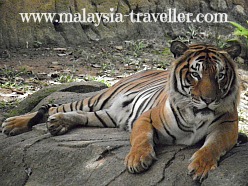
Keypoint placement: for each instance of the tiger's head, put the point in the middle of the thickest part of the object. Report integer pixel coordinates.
(205, 76)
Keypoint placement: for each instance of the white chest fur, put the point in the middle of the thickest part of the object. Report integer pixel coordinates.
(186, 126)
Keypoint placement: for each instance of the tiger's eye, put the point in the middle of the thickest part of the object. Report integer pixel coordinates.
(221, 76)
(195, 75)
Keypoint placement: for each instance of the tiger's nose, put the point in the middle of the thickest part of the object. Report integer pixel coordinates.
(207, 100)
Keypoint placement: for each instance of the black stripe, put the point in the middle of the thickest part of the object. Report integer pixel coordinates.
(179, 124)
(126, 103)
(98, 99)
(175, 86)
(153, 97)
(138, 112)
(140, 85)
(201, 125)
(187, 59)
(134, 104)
(57, 109)
(157, 96)
(156, 136)
(160, 81)
(63, 108)
(76, 105)
(71, 107)
(166, 130)
(155, 132)
(182, 118)
(81, 105)
(117, 90)
(38, 118)
(126, 84)
(90, 107)
(233, 78)
(140, 77)
(113, 121)
(228, 121)
(216, 119)
(101, 120)
(110, 96)
(130, 93)
(45, 107)
(155, 73)
(181, 74)
(187, 79)
(87, 122)
(232, 82)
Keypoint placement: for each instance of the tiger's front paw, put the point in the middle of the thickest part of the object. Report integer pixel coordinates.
(57, 124)
(202, 162)
(16, 125)
(140, 159)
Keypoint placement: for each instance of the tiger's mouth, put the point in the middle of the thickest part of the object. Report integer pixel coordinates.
(204, 111)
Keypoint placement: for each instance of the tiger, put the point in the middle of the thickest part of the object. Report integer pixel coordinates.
(196, 99)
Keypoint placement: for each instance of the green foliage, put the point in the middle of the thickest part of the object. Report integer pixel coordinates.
(11, 76)
(11, 73)
(67, 78)
(7, 105)
(37, 44)
(137, 47)
(98, 79)
(240, 30)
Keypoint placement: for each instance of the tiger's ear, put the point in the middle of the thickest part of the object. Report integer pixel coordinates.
(178, 48)
(234, 49)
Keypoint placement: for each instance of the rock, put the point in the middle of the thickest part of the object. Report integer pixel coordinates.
(55, 62)
(61, 55)
(59, 49)
(93, 156)
(15, 33)
(239, 10)
(63, 97)
(219, 5)
(96, 66)
(5, 54)
(33, 100)
(119, 47)
(42, 76)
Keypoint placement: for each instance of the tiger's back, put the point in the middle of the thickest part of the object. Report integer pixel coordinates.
(127, 99)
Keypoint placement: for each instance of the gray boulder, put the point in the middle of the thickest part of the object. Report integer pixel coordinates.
(94, 156)
(62, 93)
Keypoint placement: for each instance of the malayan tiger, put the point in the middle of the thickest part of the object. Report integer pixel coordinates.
(197, 98)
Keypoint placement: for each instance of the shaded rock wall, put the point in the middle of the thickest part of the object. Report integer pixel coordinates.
(15, 33)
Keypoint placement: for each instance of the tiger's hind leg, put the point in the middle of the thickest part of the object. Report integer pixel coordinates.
(61, 123)
(24, 123)
(17, 125)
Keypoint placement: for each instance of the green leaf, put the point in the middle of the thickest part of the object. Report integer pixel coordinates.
(240, 30)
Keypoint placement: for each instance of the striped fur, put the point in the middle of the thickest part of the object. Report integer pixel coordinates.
(197, 98)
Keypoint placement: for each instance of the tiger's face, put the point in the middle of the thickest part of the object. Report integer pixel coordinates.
(205, 75)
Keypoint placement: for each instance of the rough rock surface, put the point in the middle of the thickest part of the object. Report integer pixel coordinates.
(93, 156)
(15, 33)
